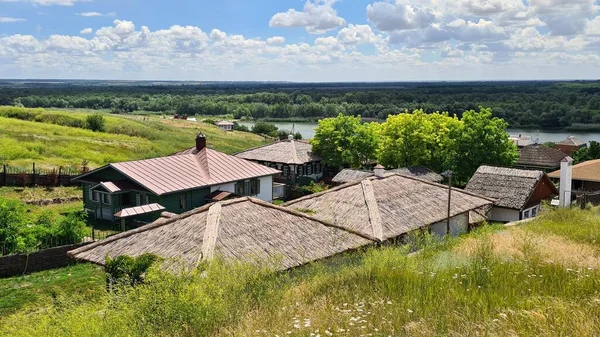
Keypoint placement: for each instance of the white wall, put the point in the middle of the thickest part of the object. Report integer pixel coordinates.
(503, 215)
(266, 188)
(459, 224)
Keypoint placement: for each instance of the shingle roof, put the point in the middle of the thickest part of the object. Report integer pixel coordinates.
(240, 229)
(520, 140)
(387, 207)
(285, 151)
(586, 171)
(572, 141)
(510, 187)
(537, 155)
(348, 175)
(224, 123)
(188, 171)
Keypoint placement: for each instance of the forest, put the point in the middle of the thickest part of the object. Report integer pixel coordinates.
(537, 104)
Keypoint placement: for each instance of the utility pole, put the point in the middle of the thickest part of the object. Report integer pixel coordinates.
(449, 175)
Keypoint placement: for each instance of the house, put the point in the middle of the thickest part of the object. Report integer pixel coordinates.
(174, 184)
(243, 229)
(586, 176)
(518, 193)
(539, 157)
(571, 145)
(389, 207)
(520, 140)
(349, 175)
(225, 125)
(294, 158)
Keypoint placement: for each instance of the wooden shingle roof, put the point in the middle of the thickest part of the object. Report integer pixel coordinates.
(348, 175)
(241, 229)
(510, 187)
(387, 207)
(572, 141)
(285, 151)
(542, 156)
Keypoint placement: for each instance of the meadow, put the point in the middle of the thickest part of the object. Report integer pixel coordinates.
(541, 278)
(54, 138)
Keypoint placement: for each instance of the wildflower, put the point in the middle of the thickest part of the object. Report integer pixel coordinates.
(389, 302)
(328, 333)
(409, 311)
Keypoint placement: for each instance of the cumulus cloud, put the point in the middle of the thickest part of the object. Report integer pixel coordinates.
(395, 17)
(86, 31)
(216, 34)
(275, 40)
(357, 34)
(6, 19)
(564, 17)
(49, 2)
(317, 17)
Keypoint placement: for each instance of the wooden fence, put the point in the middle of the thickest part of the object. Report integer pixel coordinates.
(33, 176)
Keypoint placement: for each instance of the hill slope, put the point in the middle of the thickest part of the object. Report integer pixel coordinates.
(55, 138)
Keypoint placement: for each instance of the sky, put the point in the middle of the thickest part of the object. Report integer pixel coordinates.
(303, 41)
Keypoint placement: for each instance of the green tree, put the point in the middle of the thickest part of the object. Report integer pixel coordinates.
(481, 140)
(95, 122)
(587, 153)
(12, 220)
(343, 141)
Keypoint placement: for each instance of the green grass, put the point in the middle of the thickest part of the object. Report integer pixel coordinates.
(40, 193)
(39, 290)
(126, 138)
(539, 279)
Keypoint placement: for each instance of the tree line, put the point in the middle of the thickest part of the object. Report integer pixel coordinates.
(521, 104)
(438, 141)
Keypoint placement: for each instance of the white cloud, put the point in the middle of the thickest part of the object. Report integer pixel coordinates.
(357, 34)
(86, 31)
(6, 19)
(275, 40)
(317, 17)
(564, 17)
(593, 26)
(395, 17)
(92, 14)
(216, 34)
(49, 2)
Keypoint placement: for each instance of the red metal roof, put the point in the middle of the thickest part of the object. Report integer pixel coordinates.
(188, 171)
(139, 210)
(219, 195)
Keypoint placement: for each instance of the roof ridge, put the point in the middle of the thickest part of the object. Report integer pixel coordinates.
(311, 196)
(306, 216)
(211, 232)
(373, 208)
(295, 158)
(150, 226)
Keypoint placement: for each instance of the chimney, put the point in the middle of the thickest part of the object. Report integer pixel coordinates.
(200, 142)
(379, 171)
(290, 137)
(566, 178)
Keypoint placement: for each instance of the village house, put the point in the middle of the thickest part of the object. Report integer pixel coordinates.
(539, 157)
(585, 176)
(294, 158)
(225, 125)
(141, 189)
(518, 193)
(349, 175)
(243, 229)
(389, 207)
(521, 140)
(571, 145)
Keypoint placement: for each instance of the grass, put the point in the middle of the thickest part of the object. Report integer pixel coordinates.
(40, 193)
(127, 137)
(40, 290)
(539, 279)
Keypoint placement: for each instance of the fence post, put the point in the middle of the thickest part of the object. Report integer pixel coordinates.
(33, 176)
(4, 175)
(59, 174)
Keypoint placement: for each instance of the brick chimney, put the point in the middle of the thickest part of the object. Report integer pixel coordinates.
(200, 142)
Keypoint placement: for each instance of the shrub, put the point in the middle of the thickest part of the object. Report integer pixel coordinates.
(70, 229)
(297, 135)
(127, 270)
(264, 128)
(95, 122)
(239, 127)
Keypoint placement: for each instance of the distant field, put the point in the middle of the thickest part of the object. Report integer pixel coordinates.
(28, 135)
(538, 279)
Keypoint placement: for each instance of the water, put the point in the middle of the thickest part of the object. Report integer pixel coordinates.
(308, 131)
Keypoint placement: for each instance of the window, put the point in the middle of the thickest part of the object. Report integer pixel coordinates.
(182, 202)
(248, 187)
(534, 212)
(146, 199)
(317, 167)
(309, 169)
(299, 170)
(138, 199)
(526, 216)
(105, 198)
(95, 196)
(286, 171)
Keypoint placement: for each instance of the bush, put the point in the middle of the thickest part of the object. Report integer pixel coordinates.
(264, 128)
(297, 135)
(127, 270)
(239, 127)
(70, 229)
(95, 122)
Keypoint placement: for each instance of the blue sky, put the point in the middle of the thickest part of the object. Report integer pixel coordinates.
(313, 40)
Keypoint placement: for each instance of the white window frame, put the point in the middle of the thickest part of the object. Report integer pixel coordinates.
(103, 196)
(309, 169)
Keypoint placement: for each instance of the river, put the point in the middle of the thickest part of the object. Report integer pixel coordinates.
(308, 131)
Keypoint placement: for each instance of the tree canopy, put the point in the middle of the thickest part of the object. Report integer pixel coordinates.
(438, 141)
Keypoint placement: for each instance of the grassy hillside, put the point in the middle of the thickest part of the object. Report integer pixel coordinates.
(539, 279)
(54, 137)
